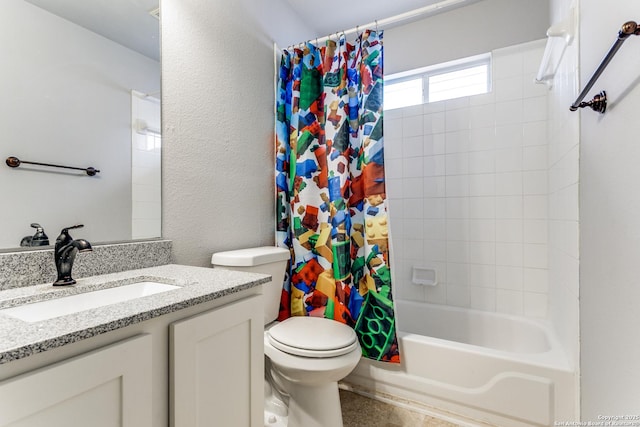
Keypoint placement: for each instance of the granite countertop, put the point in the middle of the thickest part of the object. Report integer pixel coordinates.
(19, 339)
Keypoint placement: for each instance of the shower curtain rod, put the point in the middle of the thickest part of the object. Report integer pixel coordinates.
(426, 10)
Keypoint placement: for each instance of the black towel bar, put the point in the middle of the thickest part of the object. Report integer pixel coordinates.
(14, 162)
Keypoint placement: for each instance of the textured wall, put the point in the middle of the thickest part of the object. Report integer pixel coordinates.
(217, 114)
(609, 217)
(477, 28)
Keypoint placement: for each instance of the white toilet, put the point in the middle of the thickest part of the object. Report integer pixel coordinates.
(305, 356)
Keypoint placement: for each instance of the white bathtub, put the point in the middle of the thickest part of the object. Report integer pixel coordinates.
(498, 369)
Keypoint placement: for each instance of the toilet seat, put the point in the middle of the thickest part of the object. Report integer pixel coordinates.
(312, 337)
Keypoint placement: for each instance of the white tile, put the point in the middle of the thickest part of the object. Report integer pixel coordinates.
(535, 231)
(392, 115)
(481, 116)
(413, 208)
(509, 277)
(536, 280)
(457, 251)
(413, 146)
(434, 208)
(482, 275)
(392, 148)
(435, 250)
(457, 141)
(535, 133)
(509, 112)
(434, 186)
(413, 187)
(482, 207)
(509, 302)
(509, 254)
(433, 107)
(535, 207)
(412, 228)
(412, 167)
(482, 139)
(535, 109)
(508, 184)
(482, 162)
(536, 305)
(458, 296)
(508, 159)
(412, 110)
(457, 207)
(433, 144)
(482, 253)
(412, 126)
(507, 64)
(508, 89)
(532, 56)
(509, 136)
(535, 255)
(456, 120)
(509, 207)
(457, 273)
(436, 294)
(509, 230)
(457, 186)
(482, 298)
(457, 103)
(482, 184)
(392, 128)
(534, 182)
(482, 99)
(482, 230)
(531, 89)
(457, 229)
(435, 229)
(457, 164)
(414, 247)
(394, 188)
(433, 123)
(393, 168)
(434, 165)
(535, 158)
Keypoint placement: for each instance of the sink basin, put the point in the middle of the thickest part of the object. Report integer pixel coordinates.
(49, 309)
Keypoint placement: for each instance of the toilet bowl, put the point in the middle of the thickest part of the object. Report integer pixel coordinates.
(305, 356)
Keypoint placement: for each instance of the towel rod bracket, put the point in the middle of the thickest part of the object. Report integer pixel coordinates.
(598, 103)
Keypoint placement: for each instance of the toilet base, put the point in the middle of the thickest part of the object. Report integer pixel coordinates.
(314, 406)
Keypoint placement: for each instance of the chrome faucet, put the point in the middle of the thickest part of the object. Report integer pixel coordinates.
(65, 253)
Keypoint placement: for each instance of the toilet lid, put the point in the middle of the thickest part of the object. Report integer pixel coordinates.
(312, 337)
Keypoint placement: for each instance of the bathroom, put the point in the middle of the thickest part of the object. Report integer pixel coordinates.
(220, 53)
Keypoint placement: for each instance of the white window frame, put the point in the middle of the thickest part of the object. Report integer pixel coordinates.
(425, 73)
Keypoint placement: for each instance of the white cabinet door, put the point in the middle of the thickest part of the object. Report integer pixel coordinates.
(108, 387)
(217, 364)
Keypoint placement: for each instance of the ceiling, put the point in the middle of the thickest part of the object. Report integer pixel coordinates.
(129, 23)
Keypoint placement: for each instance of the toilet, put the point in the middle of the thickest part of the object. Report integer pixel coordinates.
(305, 357)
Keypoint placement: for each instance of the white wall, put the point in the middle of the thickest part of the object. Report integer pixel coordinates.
(218, 121)
(477, 28)
(66, 100)
(467, 183)
(610, 217)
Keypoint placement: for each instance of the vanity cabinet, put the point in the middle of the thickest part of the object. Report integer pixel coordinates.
(202, 365)
(113, 390)
(217, 366)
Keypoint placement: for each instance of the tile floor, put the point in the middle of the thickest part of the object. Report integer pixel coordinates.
(361, 411)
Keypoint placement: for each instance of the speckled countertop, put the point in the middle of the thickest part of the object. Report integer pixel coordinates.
(20, 339)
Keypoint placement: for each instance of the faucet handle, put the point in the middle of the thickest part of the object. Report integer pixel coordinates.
(35, 225)
(72, 227)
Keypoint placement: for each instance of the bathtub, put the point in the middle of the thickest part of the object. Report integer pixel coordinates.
(495, 369)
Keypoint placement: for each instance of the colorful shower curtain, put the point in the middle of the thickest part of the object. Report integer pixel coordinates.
(331, 201)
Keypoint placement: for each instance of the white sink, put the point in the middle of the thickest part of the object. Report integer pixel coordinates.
(49, 309)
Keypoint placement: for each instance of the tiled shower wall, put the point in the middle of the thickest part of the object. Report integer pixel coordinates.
(467, 182)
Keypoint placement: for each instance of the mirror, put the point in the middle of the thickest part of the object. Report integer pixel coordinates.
(80, 87)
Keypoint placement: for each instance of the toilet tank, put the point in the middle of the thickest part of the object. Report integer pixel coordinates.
(269, 260)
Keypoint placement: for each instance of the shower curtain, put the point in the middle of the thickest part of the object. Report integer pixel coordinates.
(331, 201)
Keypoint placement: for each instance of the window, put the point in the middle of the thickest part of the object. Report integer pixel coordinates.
(465, 77)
